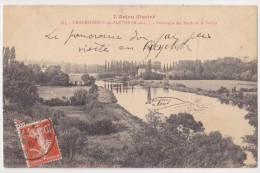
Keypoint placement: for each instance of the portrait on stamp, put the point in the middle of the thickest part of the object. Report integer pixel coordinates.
(39, 142)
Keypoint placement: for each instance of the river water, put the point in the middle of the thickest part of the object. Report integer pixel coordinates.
(215, 116)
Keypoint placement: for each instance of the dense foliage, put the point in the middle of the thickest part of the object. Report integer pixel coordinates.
(88, 80)
(80, 97)
(227, 68)
(18, 84)
(179, 141)
(51, 75)
(176, 141)
(252, 118)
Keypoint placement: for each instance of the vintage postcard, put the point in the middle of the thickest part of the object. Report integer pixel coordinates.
(130, 86)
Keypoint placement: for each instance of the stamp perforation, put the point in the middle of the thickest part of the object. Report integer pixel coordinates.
(18, 127)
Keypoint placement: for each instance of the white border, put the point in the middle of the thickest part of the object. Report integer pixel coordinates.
(119, 2)
(130, 2)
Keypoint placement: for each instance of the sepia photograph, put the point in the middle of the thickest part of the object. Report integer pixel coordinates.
(130, 86)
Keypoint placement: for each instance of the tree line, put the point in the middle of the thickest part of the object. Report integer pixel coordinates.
(82, 68)
(227, 68)
(51, 75)
(179, 141)
(20, 81)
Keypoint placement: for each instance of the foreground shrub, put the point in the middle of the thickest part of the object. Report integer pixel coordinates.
(175, 142)
(102, 127)
(79, 97)
(13, 153)
(180, 85)
(71, 140)
(56, 102)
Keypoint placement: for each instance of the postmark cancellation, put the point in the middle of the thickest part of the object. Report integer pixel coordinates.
(39, 142)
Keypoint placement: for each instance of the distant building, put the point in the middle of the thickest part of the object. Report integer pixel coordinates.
(142, 70)
(44, 68)
(75, 78)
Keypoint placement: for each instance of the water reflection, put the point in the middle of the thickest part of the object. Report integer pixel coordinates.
(124, 87)
(226, 118)
(149, 94)
(222, 115)
(119, 87)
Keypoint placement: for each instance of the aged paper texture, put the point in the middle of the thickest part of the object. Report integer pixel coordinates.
(130, 86)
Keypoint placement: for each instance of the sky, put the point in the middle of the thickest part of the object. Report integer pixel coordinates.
(202, 32)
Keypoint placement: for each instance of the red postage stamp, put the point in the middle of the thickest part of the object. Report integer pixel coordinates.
(39, 142)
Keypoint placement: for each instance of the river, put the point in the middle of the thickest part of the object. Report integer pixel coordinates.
(215, 116)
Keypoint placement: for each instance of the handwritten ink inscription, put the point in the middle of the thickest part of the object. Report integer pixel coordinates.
(159, 103)
(152, 47)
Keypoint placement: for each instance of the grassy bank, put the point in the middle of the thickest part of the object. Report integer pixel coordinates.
(101, 133)
(210, 84)
(87, 138)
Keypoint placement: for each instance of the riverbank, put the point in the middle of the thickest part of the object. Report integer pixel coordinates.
(104, 134)
(100, 135)
(244, 98)
(115, 135)
(225, 95)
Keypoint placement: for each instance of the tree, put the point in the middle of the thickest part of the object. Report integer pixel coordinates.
(226, 68)
(156, 65)
(111, 66)
(149, 66)
(6, 55)
(222, 90)
(19, 86)
(189, 75)
(80, 96)
(251, 140)
(254, 78)
(186, 121)
(61, 79)
(247, 75)
(92, 94)
(55, 77)
(252, 117)
(105, 65)
(179, 141)
(13, 56)
(38, 76)
(214, 150)
(71, 141)
(51, 71)
(88, 80)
